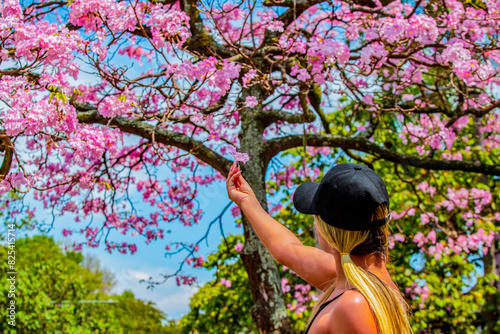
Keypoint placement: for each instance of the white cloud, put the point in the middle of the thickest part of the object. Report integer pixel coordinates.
(168, 297)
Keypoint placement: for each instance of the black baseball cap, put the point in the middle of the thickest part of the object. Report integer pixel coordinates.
(345, 198)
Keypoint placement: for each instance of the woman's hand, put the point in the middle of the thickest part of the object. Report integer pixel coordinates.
(238, 190)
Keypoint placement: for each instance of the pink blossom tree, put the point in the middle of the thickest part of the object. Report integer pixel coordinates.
(412, 89)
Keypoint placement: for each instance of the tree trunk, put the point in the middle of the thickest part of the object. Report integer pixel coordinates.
(268, 312)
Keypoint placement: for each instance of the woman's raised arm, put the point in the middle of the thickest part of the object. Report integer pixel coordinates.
(312, 264)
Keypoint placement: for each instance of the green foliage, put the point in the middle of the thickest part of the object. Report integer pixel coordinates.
(50, 287)
(215, 308)
(141, 317)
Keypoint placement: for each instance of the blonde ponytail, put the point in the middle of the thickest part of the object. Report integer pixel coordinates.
(386, 303)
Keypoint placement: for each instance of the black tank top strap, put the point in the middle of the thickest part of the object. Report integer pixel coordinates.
(325, 304)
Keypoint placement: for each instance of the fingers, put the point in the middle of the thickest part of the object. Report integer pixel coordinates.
(239, 180)
(234, 177)
(233, 180)
(231, 172)
(234, 168)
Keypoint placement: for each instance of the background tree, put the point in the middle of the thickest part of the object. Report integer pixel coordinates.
(406, 88)
(53, 287)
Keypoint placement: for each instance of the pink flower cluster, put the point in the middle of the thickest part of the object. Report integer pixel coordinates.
(236, 211)
(178, 202)
(166, 24)
(243, 157)
(91, 13)
(425, 188)
(185, 280)
(112, 106)
(393, 238)
(91, 142)
(224, 20)
(225, 282)
(465, 66)
(460, 199)
(463, 243)
(44, 41)
(195, 262)
(320, 52)
(417, 291)
(431, 131)
(285, 287)
(218, 74)
(30, 111)
(290, 174)
(303, 295)
(420, 28)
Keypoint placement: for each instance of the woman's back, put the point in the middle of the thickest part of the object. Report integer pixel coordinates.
(330, 318)
(346, 311)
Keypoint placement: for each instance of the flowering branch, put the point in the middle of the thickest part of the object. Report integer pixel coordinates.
(277, 145)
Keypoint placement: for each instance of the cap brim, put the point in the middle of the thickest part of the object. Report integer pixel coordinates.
(303, 198)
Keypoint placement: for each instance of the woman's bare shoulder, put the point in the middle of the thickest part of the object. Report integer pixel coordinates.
(352, 315)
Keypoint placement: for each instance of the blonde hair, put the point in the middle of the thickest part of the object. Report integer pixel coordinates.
(387, 304)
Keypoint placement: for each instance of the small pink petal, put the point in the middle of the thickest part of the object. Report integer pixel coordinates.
(243, 157)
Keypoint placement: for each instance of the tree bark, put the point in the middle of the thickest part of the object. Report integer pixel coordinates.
(268, 312)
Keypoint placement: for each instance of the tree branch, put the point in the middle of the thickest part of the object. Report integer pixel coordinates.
(274, 146)
(163, 136)
(314, 96)
(201, 41)
(272, 116)
(295, 9)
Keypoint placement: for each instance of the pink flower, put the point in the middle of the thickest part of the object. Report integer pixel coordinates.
(4, 186)
(303, 75)
(284, 285)
(407, 97)
(419, 239)
(432, 237)
(132, 248)
(66, 232)
(196, 118)
(225, 282)
(236, 211)
(399, 237)
(249, 76)
(243, 157)
(275, 26)
(113, 106)
(251, 101)
(368, 99)
(214, 135)
(238, 247)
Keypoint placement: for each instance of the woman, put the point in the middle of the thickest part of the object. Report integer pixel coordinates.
(350, 208)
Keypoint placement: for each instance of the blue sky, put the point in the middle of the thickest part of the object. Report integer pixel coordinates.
(150, 260)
